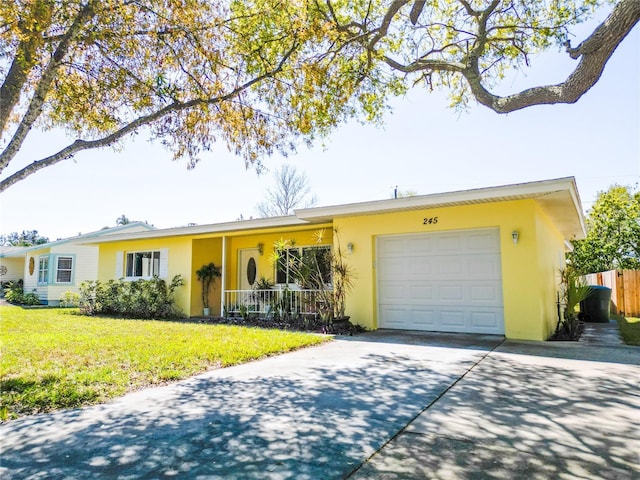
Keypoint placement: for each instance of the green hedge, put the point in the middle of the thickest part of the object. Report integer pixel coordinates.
(152, 298)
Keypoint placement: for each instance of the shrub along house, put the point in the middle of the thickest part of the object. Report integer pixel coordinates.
(478, 261)
(50, 269)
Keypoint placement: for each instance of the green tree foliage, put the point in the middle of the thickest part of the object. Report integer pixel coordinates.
(191, 72)
(613, 233)
(27, 238)
(260, 76)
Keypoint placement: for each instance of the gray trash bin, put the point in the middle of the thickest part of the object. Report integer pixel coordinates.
(595, 308)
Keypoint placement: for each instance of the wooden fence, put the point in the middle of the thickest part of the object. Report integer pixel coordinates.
(625, 290)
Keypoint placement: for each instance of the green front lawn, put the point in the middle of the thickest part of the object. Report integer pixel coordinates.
(55, 358)
(629, 329)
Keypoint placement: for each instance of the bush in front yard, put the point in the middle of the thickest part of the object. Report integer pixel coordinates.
(14, 294)
(70, 299)
(152, 298)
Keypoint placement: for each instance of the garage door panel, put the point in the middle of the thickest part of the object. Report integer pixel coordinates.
(420, 246)
(420, 266)
(395, 246)
(449, 267)
(391, 268)
(484, 242)
(448, 243)
(446, 281)
(393, 293)
(445, 267)
(484, 320)
(396, 317)
(422, 318)
(486, 293)
(422, 293)
(451, 293)
(481, 266)
(452, 318)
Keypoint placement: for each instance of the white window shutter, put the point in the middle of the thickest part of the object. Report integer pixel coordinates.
(164, 263)
(119, 264)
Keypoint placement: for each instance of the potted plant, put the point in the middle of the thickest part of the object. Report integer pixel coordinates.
(207, 275)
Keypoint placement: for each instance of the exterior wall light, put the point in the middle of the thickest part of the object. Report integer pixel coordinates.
(350, 247)
(260, 248)
(515, 235)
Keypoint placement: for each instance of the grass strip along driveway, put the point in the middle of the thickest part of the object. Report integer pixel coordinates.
(55, 358)
(629, 329)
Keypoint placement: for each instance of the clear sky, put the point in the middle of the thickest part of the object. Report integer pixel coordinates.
(424, 146)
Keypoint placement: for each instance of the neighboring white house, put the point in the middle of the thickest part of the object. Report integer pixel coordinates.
(11, 267)
(51, 269)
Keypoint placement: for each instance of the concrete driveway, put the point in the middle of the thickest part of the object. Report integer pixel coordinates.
(379, 405)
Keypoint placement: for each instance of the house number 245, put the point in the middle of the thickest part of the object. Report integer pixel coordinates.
(430, 221)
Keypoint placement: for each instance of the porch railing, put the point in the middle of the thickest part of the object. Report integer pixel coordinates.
(271, 302)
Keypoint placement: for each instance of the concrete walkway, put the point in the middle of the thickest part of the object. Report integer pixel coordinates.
(602, 334)
(415, 405)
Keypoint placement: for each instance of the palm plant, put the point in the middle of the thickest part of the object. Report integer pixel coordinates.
(573, 290)
(207, 274)
(321, 268)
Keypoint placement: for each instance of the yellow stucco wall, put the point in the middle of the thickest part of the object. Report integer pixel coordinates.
(301, 237)
(551, 258)
(529, 268)
(526, 280)
(179, 249)
(205, 250)
(188, 253)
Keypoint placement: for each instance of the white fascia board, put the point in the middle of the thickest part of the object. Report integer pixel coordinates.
(215, 228)
(83, 238)
(480, 195)
(577, 203)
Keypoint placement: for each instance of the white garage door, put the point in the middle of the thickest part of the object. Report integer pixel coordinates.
(445, 281)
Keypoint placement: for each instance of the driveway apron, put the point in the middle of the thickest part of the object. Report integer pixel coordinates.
(530, 410)
(315, 413)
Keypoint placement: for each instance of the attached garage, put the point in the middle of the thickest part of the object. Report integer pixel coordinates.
(447, 281)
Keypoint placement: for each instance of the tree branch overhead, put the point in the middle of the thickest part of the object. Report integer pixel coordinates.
(264, 75)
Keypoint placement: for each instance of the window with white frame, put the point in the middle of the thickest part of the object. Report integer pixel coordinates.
(142, 264)
(290, 258)
(43, 270)
(64, 269)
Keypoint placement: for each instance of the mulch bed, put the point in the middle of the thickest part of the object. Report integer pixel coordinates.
(315, 325)
(563, 336)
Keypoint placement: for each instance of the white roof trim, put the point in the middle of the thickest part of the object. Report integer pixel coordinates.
(479, 195)
(540, 191)
(547, 192)
(80, 239)
(221, 228)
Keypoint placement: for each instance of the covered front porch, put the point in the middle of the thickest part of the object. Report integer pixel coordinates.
(278, 302)
(251, 284)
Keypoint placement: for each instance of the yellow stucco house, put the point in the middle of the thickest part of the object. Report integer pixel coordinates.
(478, 261)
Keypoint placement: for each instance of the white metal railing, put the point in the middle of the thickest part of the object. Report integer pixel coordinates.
(269, 303)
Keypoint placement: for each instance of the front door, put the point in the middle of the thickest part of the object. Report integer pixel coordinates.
(248, 274)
